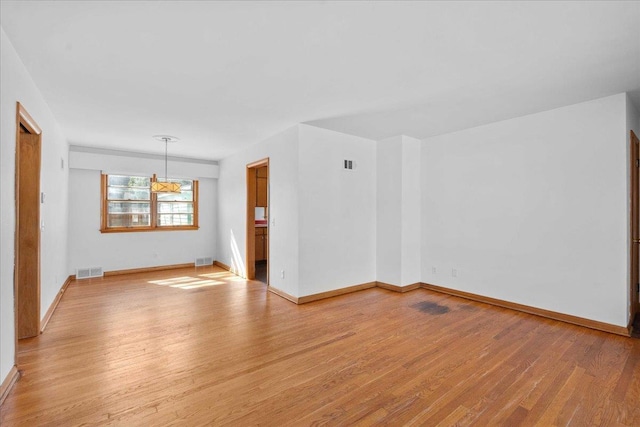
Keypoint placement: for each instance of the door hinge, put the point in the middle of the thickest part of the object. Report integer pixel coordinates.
(638, 163)
(638, 288)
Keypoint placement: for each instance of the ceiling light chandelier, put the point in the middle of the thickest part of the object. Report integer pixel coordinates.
(165, 186)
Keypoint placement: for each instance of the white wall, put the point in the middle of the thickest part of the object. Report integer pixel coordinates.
(324, 232)
(389, 211)
(398, 259)
(337, 210)
(282, 151)
(17, 86)
(533, 210)
(88, 247)
(411, 211)
(124, 162)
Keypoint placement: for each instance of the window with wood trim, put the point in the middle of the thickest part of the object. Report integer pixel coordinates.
(128, 204)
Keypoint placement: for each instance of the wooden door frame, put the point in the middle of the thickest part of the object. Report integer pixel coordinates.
(251, 217)
(24, 119)
(634, 226)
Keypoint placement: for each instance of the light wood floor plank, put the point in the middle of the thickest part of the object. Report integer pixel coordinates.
(203, 347)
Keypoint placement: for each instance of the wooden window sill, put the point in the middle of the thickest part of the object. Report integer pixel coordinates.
(144, 230)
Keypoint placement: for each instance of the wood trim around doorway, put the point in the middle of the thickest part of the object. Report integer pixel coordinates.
(27, 129)
(24, 118)
(251, 217)
(634, 226)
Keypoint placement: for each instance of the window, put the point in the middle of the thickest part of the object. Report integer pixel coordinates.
(129, 205)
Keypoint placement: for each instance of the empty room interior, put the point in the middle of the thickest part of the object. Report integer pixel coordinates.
(319, 212)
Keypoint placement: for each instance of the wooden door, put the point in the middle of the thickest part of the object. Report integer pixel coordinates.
(27, 269)
(261, 192)
(260, 256)
(261, 186)
(635, 226)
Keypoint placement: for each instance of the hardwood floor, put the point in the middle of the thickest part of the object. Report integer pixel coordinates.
(202, 347)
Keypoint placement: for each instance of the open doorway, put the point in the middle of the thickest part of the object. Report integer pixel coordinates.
(258, 221)
(27, 227)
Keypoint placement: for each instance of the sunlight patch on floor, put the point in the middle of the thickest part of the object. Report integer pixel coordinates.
(237, 279)
(219, 275)
(187, 282)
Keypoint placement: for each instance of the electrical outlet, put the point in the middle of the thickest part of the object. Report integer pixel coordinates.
(454, 272)
(282, 274)
(433, 270)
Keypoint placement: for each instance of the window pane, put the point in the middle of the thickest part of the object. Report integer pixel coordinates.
(175, 207)
(122, 187)
(129, 207)
(125, 193)
(175, 219)
(128, 220)
(169, 197)
(129, 181)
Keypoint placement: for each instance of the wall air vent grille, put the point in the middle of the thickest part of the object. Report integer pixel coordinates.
(88, 273)
(204, 261)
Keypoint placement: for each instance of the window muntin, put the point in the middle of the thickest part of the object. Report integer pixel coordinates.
(129, 205)
(176, 210)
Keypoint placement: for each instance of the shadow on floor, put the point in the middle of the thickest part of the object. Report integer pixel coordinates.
(635, 331)
(261, 271)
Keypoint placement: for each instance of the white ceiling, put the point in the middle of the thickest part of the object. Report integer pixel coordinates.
(222, 75)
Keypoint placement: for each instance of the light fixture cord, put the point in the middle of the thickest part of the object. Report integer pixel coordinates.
(166, 154)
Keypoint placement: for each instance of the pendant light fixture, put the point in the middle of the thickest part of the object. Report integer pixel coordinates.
(165, 186)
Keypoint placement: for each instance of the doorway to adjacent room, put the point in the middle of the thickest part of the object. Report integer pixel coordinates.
(258, 221)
